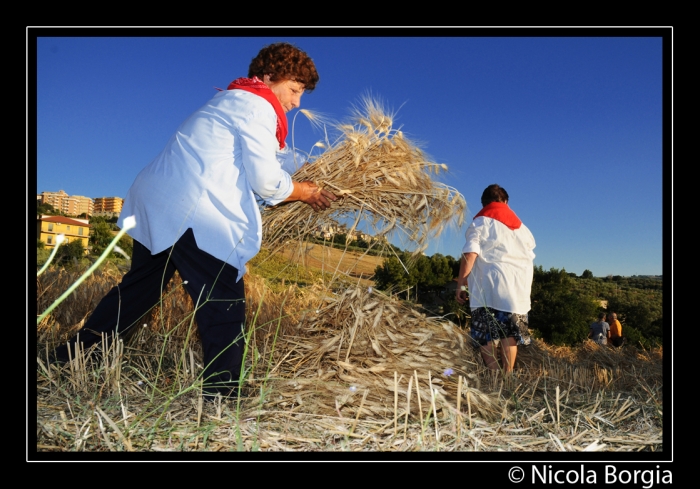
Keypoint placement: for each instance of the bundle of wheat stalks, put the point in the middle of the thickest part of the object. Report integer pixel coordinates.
(384, 179)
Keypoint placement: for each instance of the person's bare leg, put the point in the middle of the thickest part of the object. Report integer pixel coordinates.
(488, 353)
(509, 350)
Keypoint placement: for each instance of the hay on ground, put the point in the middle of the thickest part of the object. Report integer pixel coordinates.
(313, 386)
(364, 344)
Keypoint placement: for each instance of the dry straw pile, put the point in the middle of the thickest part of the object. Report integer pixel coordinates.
(384, 179)
(362, 352)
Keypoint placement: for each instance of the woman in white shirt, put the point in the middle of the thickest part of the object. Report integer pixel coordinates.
(196, 210)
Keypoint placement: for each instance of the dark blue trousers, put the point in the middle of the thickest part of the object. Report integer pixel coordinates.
(218, 298)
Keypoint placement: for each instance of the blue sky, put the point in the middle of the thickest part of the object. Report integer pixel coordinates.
(570, 126)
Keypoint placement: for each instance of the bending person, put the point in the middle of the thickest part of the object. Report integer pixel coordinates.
(196, 210)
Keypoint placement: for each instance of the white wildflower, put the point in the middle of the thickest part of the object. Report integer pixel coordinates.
(117, 249)
(129, 222)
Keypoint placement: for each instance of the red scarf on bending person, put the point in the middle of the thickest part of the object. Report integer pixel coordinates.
(502, 213)
(256, 86)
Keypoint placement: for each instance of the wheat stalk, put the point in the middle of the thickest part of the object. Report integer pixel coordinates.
(385, 180)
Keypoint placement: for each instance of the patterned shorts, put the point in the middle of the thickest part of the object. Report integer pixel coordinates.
(490, 324)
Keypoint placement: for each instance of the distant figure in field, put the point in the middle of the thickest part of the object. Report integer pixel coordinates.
(615, 330)
(600, 330)
(497, 264)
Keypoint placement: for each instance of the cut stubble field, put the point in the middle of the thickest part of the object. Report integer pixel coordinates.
(325, 258)
(345, 371)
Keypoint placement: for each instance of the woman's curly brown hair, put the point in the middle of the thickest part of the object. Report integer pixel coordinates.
(283, 61)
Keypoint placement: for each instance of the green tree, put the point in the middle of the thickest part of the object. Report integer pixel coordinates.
(126, 243)
(420, 271)
(42, 253)
(428, 274)
(101, 235)
(46, 208)
(560, 312)
(454, 264)
(392, 276)
(340, 238)
(587, 274)
(641, 318)
(73, 250)
(439, 275)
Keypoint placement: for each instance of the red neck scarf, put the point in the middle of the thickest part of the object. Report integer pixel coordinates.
(256, 86)
(502, 213)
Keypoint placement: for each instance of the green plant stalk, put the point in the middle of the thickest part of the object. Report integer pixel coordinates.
(240, 446)
(424, 426)
(127, 225)
(183, 357)
(168, 333)
(263, 389)
(51, 257)
(242, 375)
(274, 342)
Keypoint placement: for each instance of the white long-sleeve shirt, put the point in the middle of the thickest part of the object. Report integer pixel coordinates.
(501, 277)
(207, 177)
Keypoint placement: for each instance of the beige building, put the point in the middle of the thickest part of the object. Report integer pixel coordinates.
(325, 231)
(72, 205)
(53, 198)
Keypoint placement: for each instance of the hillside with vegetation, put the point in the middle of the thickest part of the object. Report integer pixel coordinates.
(563, 304)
